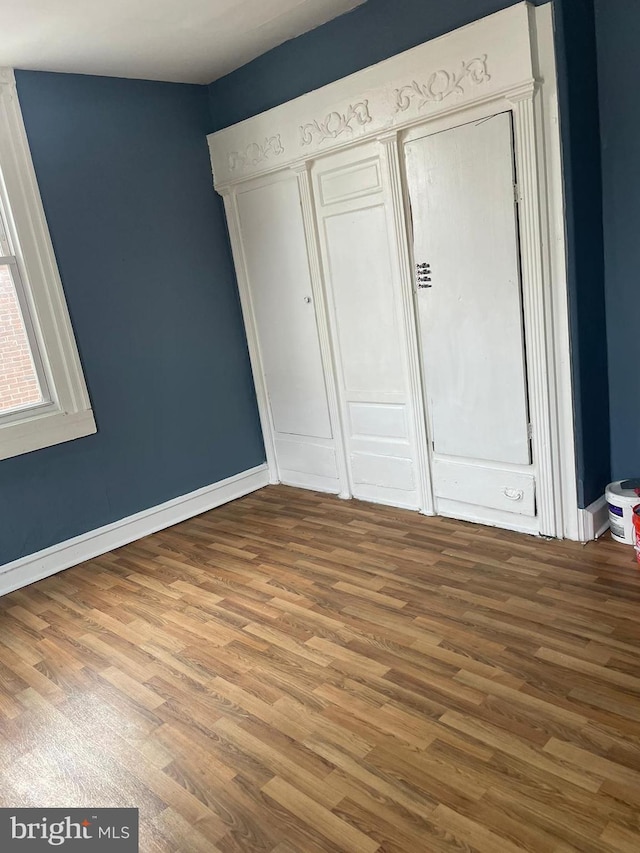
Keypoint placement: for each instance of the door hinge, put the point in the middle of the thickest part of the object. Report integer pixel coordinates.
(529, 431)
(516, 193)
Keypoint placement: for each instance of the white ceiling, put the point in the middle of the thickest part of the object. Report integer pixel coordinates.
(187, 41)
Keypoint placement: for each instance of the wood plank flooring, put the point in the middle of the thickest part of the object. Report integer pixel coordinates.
(292, 673)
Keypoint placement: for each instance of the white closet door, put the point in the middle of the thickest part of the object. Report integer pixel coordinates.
(461, 187)
(277, 269)
(360, 261)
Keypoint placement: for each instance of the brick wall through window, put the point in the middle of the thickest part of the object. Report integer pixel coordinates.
(18, 380)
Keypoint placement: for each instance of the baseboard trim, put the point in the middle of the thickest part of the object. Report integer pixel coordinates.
(593, 521)
(42, 564)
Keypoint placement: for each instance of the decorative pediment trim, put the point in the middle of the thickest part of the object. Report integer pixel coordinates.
(485, 61)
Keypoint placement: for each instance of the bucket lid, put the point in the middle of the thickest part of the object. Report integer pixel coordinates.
(616, 489)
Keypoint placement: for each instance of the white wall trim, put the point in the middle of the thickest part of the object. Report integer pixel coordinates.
(594, 520)
(404, 263)
(42, 564)
(535, 312)
(66, 413)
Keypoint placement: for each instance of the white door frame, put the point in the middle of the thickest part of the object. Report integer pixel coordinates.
(504, 61)
(474, 114)
(536, 296)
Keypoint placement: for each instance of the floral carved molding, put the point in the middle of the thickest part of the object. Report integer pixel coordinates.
(335, 123)
(441, 84)
(256, 153)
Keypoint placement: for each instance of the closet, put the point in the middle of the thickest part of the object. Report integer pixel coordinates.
(392, 236)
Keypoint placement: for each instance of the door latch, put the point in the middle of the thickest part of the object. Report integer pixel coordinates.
(423, 275)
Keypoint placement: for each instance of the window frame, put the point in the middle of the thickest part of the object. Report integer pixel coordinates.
(66, 414)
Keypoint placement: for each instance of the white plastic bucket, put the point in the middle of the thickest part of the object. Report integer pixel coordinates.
(621, 503)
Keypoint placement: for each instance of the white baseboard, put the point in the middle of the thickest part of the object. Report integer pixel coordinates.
(34, 567)
(593, 521)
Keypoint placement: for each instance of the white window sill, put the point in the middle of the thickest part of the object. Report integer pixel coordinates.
(44, 430)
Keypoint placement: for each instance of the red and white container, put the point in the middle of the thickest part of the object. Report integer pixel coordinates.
(636, 530)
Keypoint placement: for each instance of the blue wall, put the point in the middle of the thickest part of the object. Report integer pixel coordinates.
(379, 29)
(618, 35)
(578, 95)
(141, 244)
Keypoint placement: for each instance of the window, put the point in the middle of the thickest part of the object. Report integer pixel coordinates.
(43, 397)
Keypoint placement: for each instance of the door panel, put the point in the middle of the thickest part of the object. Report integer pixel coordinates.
(360, 263)
(279, 281)
(461, 186)
(360, 269)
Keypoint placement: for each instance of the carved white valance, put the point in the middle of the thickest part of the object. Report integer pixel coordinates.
(482, 61)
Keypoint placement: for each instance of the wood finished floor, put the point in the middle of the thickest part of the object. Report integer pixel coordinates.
(292, 673)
